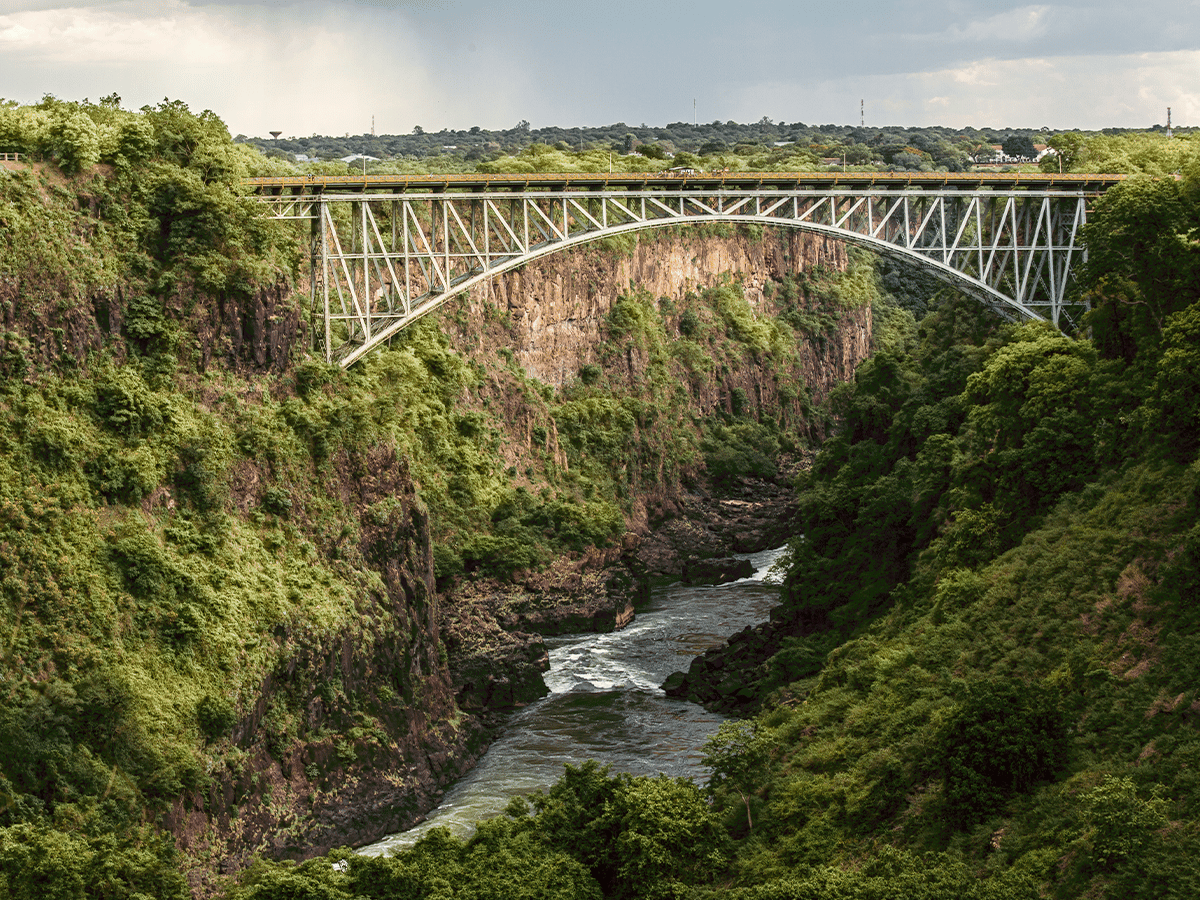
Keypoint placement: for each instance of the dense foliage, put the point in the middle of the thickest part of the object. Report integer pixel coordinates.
(174, 534)
(989, 688)
(758, 146)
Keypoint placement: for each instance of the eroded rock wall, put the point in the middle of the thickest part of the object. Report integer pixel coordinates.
(554, 308)
(355, 733)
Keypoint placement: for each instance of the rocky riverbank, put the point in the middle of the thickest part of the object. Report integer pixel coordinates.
(493, 631)
(725, 679)
(695, 543)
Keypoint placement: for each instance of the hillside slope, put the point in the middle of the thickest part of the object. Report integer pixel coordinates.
(226, 568)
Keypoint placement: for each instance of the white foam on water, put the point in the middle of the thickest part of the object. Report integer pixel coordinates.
(605, 703)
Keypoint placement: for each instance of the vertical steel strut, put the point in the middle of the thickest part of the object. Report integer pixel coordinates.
(1012, 249)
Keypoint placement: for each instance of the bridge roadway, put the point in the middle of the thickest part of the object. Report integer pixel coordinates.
(388, 249)
(312, 185)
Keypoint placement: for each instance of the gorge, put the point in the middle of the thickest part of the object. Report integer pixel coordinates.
(258, 609)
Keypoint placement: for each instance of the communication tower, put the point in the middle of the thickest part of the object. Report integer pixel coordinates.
(1168, 122)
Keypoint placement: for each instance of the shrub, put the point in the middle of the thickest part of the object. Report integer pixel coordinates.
(745, 450)
(216, 717)
(277, 501)
(1005, 737)
(689, 323)
(499, 555)
(1122, 823)
(125, 475)
(126, 404)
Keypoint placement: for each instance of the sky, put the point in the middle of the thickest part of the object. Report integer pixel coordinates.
(304, 67)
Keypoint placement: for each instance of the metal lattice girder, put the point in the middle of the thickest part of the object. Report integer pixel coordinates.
(383, 260)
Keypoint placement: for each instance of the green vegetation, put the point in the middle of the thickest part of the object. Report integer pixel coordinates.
(988, 684)
(1147, 153)
(592, 835)
(187, 541)
(756, 146)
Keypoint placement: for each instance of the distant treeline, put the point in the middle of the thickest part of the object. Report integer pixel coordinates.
(934, 147)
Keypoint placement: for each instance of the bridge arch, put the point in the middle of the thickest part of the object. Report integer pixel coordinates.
(380, 261)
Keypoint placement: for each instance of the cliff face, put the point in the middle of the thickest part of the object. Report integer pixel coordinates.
(353, 735)
(251, 334)
(552, 316)
(555, 308)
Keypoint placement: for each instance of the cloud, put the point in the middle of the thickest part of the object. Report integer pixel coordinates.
(1090, 92)
(306, 66)
(1020, 25)
(103, 36)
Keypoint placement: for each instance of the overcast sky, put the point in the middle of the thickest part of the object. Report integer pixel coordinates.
(304, 67)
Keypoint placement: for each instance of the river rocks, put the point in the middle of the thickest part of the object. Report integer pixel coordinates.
(702, 529)
(675, 681)
(498, 673)
(726, 678)
(715, 571)
(493, 630)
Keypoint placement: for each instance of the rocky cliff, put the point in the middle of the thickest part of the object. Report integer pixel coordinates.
(354, 734)
(214, 476)
(554, 309)
(552, 318)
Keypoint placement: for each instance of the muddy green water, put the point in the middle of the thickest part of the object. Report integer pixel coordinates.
(605, 703)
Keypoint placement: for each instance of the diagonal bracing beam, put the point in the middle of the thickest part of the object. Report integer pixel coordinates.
(1012, 249)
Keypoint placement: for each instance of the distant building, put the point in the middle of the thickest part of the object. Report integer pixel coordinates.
(359, 157)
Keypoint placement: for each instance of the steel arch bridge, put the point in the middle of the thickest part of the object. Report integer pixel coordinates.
(386, 250)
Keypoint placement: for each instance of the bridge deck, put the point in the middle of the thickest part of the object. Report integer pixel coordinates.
(310, 185)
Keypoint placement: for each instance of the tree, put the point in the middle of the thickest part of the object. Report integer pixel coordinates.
(1173, 411)
(667, 836)
(1142, 262)
(981, 152)
(1068, 149)
(738, 754)
(77, 142)
(1121, 822)
(1005, 737)
(1019, 146)
(1030, 433)
(638, 837)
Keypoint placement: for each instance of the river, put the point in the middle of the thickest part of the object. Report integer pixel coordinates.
(605, 702)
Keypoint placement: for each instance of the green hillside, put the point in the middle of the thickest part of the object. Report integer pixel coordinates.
(219, 559)
(988, 686)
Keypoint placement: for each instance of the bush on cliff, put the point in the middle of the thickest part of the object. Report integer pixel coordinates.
(591, 835)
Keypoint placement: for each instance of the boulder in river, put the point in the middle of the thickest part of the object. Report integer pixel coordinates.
(715, 571)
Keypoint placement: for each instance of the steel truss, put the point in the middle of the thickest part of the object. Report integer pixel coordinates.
(381, 261)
